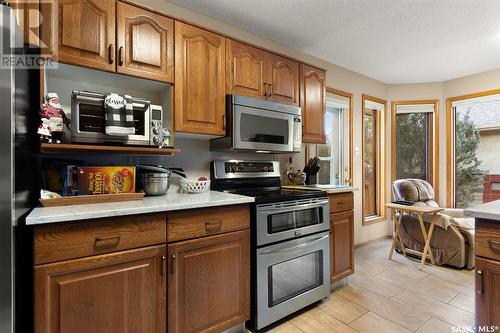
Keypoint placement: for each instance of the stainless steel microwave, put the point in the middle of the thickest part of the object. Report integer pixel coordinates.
(88, 121)
(261, 126)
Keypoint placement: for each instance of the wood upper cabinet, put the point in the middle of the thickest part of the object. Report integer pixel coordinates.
(209, 283)
(256, 73)
(312, 102)
(81, 32)
(342, 245)
(119, 292)
(199, 105)
(28, 18)
(245, 70)
(487, 292)
(283, 79)
(145, 43)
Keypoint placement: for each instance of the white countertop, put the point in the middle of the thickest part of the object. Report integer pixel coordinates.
(490, 211)
(173, 200)
(330, 189)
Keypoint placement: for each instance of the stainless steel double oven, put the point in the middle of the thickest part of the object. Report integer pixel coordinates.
(290, 240)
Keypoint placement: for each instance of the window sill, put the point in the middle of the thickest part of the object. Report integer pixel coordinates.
(373, 219)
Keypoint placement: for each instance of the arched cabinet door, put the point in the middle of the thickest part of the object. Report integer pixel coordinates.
(283, 80)
(245, 70)
(199, 81)
(80, 32)
(312, 102)
(145, 43)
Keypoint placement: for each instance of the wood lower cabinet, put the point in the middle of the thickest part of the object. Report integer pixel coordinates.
(199, 105)
(118, 292)
(145, 43)
(81, 32)
(341, 236)
(342, 245)
(245, 70)
(312, 102)
(488, 292)
(487, 260)
(209, 283)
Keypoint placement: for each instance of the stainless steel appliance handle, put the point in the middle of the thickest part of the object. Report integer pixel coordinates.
(291, 248)
(292, 208)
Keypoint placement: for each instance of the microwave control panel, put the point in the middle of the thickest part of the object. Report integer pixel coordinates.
(297, 134)
(156, 133)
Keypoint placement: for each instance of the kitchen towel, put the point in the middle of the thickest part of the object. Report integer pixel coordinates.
(119, 115)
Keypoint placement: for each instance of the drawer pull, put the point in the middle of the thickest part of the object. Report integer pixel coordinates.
(494, 244)
(110, 241)
(213, 226)
(341, 202)
(480, 289)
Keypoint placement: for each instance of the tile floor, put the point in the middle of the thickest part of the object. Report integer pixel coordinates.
(385, 296)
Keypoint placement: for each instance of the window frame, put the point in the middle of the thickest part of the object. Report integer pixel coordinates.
(450, 142)
(433, 144)
(311, 152)
(381, 156)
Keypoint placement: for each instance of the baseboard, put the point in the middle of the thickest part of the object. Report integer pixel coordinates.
(356, 246)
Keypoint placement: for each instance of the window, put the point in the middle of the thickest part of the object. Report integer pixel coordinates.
(473, 124)
(335, 155)
(373, 159)
(413, 141)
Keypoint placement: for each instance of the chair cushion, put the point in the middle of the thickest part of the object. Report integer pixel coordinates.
(413, 190)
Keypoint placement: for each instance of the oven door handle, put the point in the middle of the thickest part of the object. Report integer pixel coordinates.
(297, 247)
(317, 204)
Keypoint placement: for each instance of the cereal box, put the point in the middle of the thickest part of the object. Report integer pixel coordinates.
(105, 180)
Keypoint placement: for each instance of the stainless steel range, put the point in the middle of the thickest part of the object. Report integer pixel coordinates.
(290, 239)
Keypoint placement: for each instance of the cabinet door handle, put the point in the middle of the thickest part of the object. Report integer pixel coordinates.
(172, 268)
(162, 267)
(224, 122)
(265, 89)
(111, 54)
(120, 56)
(494, 244)
(109, 241)
(270, 93)
(213, 226)
(480, 290)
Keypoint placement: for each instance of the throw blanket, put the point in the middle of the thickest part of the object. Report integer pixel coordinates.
(119, 115)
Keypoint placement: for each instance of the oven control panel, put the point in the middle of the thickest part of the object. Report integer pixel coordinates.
(245, 169)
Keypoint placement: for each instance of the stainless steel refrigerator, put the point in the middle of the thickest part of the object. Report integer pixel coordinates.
(19, 174)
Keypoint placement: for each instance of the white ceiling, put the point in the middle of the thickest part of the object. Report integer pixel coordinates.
(394, 41)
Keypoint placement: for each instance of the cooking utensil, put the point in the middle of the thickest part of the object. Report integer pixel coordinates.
(155, 179)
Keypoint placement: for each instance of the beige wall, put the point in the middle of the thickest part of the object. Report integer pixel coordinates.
(340, 78)
(487, 151)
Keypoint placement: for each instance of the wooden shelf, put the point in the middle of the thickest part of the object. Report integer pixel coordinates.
(97, 149)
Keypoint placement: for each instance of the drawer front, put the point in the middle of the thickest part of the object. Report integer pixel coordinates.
(188, 224)
(64, 241)
(340, 202)
(488, 239)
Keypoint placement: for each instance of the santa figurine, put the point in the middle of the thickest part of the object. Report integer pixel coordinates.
(55, 116)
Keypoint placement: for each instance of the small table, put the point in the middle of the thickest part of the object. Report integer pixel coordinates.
(420, 212)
